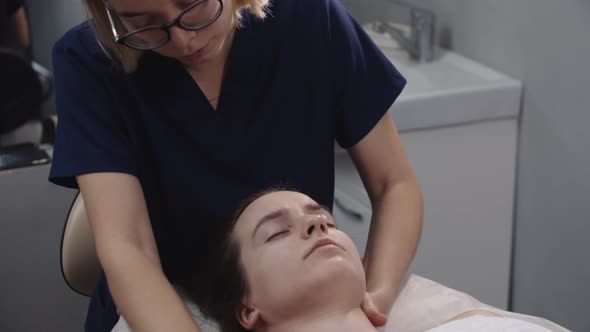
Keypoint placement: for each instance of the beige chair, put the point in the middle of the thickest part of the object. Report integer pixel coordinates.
(79, 262)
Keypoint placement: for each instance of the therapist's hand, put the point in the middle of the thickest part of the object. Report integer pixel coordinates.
(373, 314)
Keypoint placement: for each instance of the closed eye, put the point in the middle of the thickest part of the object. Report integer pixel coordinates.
(332, 226)
(275, 235)
(143, 22)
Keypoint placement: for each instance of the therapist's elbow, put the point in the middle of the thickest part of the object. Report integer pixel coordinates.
(408, 187)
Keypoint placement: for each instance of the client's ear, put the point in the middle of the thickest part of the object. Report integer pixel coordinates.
(247, 316)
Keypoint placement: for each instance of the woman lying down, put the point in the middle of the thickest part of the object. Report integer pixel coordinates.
(287, 267)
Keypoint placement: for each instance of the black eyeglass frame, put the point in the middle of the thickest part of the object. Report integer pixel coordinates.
(120, 39)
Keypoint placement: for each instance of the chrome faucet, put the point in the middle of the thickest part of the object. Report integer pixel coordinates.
(421, 44)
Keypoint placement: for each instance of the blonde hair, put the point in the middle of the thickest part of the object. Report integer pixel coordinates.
(129, 57)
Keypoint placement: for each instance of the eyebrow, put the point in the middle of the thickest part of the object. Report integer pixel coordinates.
(312, 206)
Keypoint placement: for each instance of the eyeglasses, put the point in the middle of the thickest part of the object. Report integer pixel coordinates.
(197, 16)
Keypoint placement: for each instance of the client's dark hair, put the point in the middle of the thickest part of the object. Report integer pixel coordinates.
(220, 291)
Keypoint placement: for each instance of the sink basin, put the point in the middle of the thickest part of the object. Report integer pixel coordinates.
(450, 90)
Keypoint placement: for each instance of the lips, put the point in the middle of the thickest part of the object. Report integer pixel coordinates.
(195, 54)
(320, 243)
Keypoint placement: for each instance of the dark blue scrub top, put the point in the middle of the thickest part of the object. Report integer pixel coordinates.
(298, 81)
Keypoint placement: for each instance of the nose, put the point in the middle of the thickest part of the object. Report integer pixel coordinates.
(180, 37)
(315, 224)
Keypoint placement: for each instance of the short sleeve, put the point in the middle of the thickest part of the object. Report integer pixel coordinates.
(91, 135)
(12, 6)
(366, 82)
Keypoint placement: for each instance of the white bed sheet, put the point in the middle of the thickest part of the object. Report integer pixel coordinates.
(424, 304)
(421, 305)
(489, 324)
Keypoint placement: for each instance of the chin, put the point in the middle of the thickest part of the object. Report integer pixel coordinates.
(315, 296)
(339, 263)
(338, 276)
(335, 283)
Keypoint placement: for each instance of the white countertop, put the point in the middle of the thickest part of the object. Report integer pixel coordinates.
(450, 90)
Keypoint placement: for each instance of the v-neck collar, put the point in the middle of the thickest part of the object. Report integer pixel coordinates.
(247, 64)
(240, 56)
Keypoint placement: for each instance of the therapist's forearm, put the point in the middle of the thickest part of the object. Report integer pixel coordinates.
(395, 232)
(141, 291)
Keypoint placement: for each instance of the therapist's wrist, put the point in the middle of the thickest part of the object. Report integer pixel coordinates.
(383, 298)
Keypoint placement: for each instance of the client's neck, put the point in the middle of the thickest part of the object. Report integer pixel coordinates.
(351, 321)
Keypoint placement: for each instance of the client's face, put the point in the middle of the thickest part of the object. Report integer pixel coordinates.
(294, 257)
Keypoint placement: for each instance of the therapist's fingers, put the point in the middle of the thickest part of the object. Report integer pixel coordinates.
(375, 317)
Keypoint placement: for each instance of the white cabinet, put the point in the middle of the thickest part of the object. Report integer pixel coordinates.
(467, 175)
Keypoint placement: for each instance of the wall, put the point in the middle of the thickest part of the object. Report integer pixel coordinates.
(49, 20)
(546, 44)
